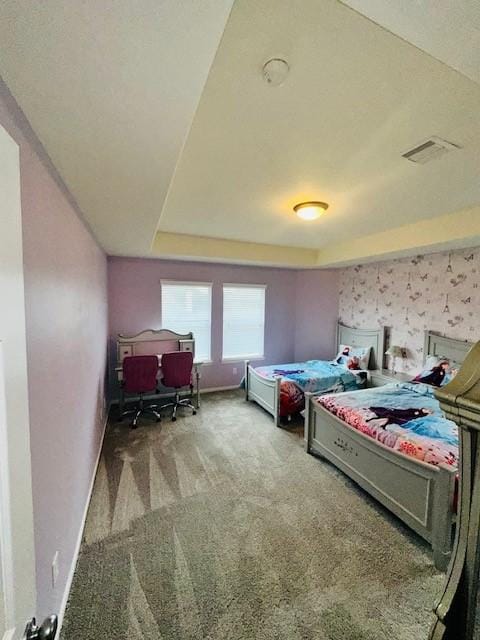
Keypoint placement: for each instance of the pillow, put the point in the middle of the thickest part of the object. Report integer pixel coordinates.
(437, 371)
(353, 357)
(430, 362)
(451, 371)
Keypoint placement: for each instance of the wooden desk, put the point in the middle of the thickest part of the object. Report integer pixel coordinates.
(157, 341)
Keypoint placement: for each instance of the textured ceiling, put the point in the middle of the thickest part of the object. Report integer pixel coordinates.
(157, 117)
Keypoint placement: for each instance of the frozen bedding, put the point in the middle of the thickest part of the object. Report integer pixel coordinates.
(316, 376)
(403, 416)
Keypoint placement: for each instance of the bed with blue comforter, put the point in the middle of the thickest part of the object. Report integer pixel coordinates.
(315, 376)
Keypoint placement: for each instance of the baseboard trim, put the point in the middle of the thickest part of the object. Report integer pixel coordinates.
(212, 389)
(167, 396)
(73, 566)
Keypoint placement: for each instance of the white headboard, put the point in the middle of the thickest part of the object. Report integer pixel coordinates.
(435, 345)
(374, 338)
(153, 341)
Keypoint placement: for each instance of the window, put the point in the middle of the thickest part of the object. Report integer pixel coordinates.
(243, 321)
(187, 306)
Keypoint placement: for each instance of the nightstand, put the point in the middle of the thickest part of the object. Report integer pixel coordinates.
(379, 377)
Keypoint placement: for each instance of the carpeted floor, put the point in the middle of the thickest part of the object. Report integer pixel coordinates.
(220, 526)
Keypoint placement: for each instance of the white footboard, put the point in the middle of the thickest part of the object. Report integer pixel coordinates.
(263, 391)
(418, 493)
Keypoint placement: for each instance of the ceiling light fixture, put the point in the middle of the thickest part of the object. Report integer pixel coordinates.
(310, 210)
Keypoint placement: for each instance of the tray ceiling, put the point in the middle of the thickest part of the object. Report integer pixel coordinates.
(158, 118)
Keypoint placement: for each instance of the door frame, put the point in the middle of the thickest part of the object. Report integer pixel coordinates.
(7, 584)
(17, 550)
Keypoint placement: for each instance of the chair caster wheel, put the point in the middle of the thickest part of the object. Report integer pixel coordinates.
(158, 420)
(174, 419)
(194, 413)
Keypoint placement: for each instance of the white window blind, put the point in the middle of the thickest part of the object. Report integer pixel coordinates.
(243, 321)
(187, 306)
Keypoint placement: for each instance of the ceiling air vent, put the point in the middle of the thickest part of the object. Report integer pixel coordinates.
(429, 150)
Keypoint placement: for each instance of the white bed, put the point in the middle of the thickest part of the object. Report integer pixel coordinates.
(420, 494)
(266, 392)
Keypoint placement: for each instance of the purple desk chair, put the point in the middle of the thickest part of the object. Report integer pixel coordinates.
(177, 373)
(139, 378)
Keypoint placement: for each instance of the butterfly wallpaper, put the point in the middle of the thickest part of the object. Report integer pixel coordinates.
(439, 292)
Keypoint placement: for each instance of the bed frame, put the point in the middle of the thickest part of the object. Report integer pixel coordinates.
(456, 611)
(420, 494)
(266, 393)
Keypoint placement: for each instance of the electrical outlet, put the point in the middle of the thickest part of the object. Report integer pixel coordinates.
(234, 371)
(55, 569)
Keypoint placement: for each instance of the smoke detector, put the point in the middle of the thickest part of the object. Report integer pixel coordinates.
(275, 71)
(429, 150)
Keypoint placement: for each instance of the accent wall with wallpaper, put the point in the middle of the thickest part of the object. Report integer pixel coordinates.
(439, 292)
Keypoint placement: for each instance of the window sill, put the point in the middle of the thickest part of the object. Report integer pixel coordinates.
(242, 359)
(202, 362)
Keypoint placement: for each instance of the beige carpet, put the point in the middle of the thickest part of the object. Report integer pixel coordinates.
(220, 526)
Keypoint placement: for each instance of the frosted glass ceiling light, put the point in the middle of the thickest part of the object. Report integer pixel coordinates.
(310, 210)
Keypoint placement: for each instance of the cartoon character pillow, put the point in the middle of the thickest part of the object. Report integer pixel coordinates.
(438, 372)
(353, 358)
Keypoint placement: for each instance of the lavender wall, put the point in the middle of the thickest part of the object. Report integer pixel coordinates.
(66, 321)
(317, 312)
(135, 304)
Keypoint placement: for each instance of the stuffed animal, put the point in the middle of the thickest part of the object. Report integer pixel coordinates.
(353, 363)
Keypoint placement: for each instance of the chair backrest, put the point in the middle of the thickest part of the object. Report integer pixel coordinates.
(177, 368)
(140, 373)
